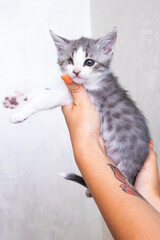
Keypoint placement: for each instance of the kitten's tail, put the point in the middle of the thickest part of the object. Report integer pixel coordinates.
(76, 178)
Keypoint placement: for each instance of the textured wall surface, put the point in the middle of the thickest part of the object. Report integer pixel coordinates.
(35, 203)
(137, 55)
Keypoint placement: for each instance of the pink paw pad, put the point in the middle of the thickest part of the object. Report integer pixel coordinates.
(10, 102)
(5, 104)
(14, 101)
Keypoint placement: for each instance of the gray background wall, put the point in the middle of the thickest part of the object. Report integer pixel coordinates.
(137, 54)
(35, 204)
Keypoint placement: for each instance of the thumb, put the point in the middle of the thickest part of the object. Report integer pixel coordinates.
(77, 91)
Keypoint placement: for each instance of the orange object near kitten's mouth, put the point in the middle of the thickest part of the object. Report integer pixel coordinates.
(66, 78)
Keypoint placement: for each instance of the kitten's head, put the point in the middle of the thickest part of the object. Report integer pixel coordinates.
(85, 60)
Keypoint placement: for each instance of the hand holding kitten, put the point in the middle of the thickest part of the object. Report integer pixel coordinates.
(82, 118)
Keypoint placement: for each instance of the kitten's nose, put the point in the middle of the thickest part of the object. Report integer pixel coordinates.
(76, 72)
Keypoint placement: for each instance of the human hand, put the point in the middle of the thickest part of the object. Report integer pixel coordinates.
(83, 120)
(147, 181)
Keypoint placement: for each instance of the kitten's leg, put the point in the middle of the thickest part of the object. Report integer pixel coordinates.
(46, 100)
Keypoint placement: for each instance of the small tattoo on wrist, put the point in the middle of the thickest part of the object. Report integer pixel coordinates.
(126, 186)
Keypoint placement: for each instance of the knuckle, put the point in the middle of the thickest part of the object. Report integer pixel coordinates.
(75, 89)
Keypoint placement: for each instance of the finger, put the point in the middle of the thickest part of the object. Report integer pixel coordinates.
(77, 91)
(151, 161)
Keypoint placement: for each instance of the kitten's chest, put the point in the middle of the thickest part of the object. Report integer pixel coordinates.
(99, 101)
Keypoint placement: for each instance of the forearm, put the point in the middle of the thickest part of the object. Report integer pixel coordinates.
(128, 215)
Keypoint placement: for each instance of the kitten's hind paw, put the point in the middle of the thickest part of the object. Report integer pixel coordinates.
(88, 193)
(15, 100)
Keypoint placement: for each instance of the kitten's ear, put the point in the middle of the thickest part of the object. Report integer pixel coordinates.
(107, 43)
(60, 42)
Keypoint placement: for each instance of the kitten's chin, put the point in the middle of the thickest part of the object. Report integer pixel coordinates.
(78, 80)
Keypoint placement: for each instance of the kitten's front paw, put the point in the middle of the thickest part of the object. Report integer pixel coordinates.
(15, 100)
(18, 117)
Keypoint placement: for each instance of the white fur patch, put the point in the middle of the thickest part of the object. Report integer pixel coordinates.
(78, 59)
(93, 83)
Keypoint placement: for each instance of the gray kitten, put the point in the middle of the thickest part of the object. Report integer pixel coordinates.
(123, 127)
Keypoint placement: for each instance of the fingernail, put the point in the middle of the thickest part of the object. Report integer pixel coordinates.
(151, 143)
(66, 79)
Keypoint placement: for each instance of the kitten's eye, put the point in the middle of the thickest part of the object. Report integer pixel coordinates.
(70, 61)
(89, 62)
